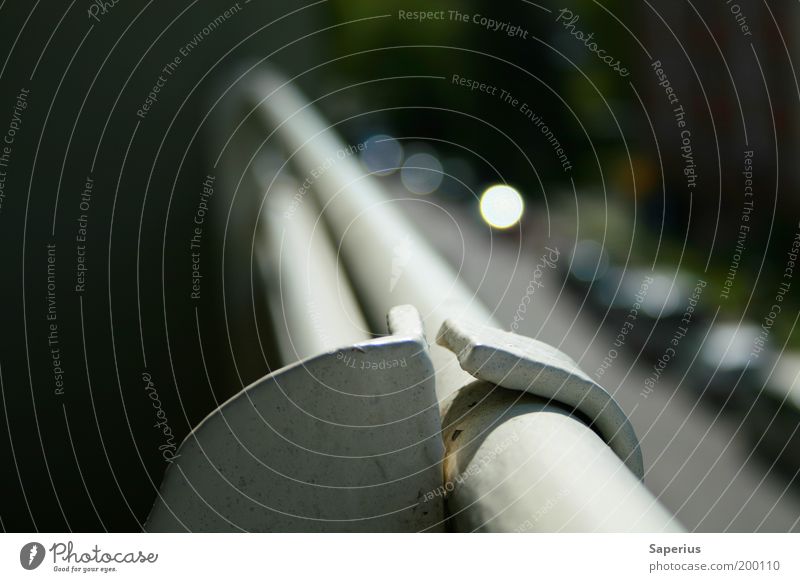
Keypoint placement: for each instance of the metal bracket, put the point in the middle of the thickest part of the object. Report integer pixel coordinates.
(349, 440)
(520, 363)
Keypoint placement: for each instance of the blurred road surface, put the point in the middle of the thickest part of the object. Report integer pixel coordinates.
(698, 464)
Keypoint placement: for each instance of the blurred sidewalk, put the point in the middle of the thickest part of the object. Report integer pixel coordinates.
(696, 464)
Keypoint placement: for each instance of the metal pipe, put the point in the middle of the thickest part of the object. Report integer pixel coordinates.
(553, 451)
(524, 464)
(313, 305)
(368, 228)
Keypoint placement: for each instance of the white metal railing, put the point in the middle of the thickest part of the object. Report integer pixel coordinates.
(574, 481)
(515, 456)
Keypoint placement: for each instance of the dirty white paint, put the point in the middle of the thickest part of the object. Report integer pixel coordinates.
(520, 363)
(345, 441)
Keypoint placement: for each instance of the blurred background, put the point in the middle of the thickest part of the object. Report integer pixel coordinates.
(653, 144)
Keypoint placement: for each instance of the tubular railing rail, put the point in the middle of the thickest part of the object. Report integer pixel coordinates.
(446, 424)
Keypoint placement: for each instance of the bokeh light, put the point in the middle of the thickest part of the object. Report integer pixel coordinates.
(383, 154)
(501, 206)
(422, 173)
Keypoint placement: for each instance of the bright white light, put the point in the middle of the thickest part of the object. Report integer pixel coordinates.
(501, 206)
(422, 173)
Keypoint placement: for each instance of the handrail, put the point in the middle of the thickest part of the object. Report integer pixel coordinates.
(308, 322)
(514, 461)
(353, 203)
